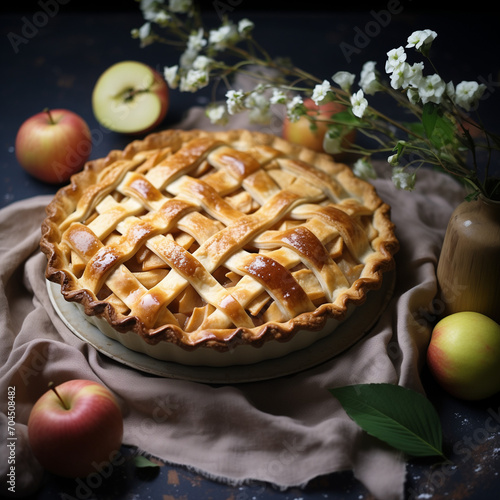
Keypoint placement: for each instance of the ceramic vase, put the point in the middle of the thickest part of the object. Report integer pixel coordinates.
(468, 271)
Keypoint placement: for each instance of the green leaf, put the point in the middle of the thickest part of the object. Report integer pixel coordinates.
(473, 196)
(429, 118)
(346, 118)
(142, 462)
(402, 418)
(438, 128)
(416, 127)
(444, 133)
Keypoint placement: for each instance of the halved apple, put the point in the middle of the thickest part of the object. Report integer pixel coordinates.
(130, 97)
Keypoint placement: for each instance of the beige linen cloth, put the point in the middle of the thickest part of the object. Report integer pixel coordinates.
(284, 431)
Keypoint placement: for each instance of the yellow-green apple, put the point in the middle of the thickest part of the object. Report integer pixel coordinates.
(301, 132)
(464, 355)
(53, 145)
(130, 97)
(74, 428)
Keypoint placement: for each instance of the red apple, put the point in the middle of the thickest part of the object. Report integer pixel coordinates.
(464, 355)
(300, 132)
(130, 97)
(74, 428)
(53, 145)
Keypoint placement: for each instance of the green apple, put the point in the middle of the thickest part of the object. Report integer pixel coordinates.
(130, 97)
(464, 355)
(300, 131)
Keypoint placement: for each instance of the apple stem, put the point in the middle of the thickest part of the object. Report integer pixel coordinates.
(51, 120)
(53, 387)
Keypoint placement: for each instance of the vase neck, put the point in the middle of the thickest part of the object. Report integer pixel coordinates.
(489, 201)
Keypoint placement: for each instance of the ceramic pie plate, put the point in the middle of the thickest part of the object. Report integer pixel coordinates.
(344, 335)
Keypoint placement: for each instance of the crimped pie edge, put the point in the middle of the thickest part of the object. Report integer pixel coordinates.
(65, 200)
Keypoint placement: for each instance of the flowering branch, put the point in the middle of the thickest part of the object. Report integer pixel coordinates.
(440, 133)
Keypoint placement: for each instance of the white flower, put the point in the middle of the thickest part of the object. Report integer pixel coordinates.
(368, 78)
(179, 6)
(406, 75)
(196, 41)
(217, 114)
(188, 57)
(226, 35)
(393, 159)
(320, 91)
(468, 93)
(245, 26)
(398, 77)
(144, 31)
(359, 103)
(364, 169)
(420, 38)
(395, 58)
(258, 115)
(402, 179)
(150, 15)
(161, 18)
(450, 90)
(368, 67)
(413, 74)
(343, 79)
(170, 75)
(235, 101)
(153, 12)
(194, 44)
(259, 106)
(144, 34)
(202, 62)
(294, 108)
(277, 97)
(256, 98)
(431, 89)
(147, 5)
(194, 80)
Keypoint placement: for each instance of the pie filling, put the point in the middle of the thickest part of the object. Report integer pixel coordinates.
(211, 239)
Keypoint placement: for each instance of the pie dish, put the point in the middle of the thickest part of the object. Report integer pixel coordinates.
(217, 247)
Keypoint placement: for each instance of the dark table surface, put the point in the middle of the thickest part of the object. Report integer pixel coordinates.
(57, 64)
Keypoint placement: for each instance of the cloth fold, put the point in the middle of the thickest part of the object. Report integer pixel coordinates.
(284, 431)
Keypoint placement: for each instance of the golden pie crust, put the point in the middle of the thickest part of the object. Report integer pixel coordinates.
(217, 239)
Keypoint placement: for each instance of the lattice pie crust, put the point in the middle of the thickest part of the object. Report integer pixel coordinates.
(216, 240)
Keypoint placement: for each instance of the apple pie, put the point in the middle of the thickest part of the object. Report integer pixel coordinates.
(190, 241)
